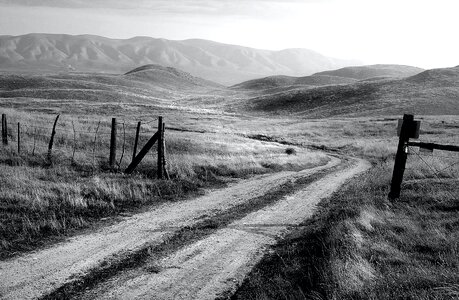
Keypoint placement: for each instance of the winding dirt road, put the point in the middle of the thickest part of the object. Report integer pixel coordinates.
(203, 270)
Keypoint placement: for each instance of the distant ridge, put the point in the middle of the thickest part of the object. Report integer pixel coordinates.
(345, 75)
(371, 71)
(222, 63)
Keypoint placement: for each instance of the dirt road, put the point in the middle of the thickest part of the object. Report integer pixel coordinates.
(215, 266)
(36, 274)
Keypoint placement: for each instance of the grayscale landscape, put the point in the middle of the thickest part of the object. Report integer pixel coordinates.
(154, 168)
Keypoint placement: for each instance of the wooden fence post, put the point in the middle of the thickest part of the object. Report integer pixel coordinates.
(4, 130)
(51, 141)
(160, 148)
(19, 138)
(401, 156)
(112, 158)
(136, 141)
(166, 173)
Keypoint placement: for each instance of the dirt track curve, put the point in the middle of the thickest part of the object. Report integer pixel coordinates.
(203, 270)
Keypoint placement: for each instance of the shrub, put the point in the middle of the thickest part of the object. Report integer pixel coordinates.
(290, 151)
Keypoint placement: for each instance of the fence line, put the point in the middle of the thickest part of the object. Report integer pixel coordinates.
(75, 140)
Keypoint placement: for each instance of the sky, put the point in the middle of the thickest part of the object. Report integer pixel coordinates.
(421, 33)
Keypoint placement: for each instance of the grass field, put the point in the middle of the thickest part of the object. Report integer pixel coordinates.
(358, 245)
(42, 202)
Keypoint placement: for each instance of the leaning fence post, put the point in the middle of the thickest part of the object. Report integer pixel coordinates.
(142, 153)
(19, 138)
(51, 141)
(400, 157)
(112, 158)
(4, 130)
(160, 148)
(136, 141)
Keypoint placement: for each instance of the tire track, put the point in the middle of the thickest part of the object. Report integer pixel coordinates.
(216, 265)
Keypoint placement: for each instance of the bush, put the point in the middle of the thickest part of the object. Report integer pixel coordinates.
(290, 151)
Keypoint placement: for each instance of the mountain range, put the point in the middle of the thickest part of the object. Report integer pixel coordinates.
(223, 63)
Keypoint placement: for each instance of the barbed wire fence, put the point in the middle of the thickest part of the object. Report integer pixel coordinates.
(77, 141)
(440, 165)
(433, 166)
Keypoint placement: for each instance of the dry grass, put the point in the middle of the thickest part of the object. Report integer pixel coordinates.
(41, 202)
(358, 245)
(361, 246)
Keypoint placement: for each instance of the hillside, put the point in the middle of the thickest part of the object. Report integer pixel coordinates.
(147, 86)
(284, 81)
(169, 77)
(371, 71)
(222, 63)
(432, 92)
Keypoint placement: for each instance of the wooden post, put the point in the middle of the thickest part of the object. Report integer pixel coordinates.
(94, 146)
(166, 173)
(112, 158)
(19, 138)
(74, 142)
(51, 141)
(4, 130)
(136, 141)
(124, 146)
(160, 148)
(401, 156)
(34, 141)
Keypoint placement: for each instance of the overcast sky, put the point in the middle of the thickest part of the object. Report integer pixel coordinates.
(414, 32)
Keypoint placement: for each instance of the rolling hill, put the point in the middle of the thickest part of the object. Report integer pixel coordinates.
(345, 75)
(222, 63)
(371, 71)
(169, 77)
(432, 92)
(150, 86)
(284, 81)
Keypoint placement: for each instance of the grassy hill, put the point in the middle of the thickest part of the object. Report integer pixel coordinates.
(430, 92)
(433, 92)
(152, 87)
(345, 75)
(285, 81)
(366, 72)
(169, 77)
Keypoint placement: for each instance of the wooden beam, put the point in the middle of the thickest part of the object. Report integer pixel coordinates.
(142, 153)
(434, 146)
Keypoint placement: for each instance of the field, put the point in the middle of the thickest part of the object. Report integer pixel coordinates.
(357, 245)
(360, 245)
